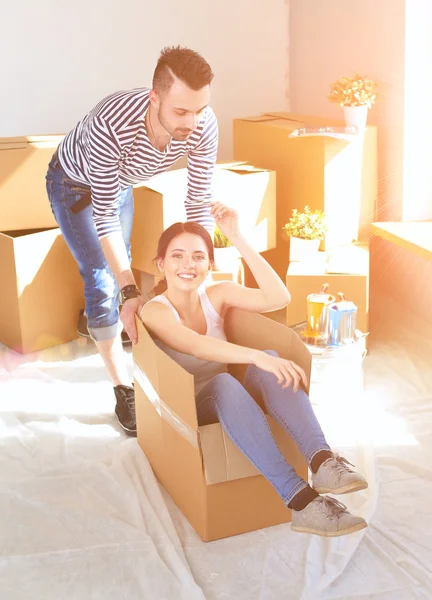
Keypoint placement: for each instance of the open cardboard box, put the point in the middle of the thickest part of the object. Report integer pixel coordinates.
(24, 163)
(160, 203)
(215, 486)
(42, 291)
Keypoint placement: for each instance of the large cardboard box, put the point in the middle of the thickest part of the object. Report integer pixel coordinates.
(218, 490)
(160, 203)
(346, 270)
(23, 198)
(338, 176)
(42, 291)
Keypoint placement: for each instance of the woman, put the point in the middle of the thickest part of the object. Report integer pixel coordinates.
(186, 319)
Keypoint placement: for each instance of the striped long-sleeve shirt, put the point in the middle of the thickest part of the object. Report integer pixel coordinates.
(109, 150)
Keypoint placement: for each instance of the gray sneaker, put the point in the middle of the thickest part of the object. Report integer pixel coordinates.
(335, 477)
(327, 517)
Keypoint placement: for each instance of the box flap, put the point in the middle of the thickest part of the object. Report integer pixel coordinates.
(245, 169)
(230, 164)
(256, 331)
(167, 385)
(314, 266)
(45, 141)
(223, 461)
(258, 119)
(353, 260)
(300, 120)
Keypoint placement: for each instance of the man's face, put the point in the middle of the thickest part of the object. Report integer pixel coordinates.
(180, 109)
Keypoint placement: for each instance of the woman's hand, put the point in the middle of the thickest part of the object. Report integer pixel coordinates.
(226, 219)
(286, 371)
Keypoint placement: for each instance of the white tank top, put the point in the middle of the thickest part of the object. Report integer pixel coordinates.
(202, 370)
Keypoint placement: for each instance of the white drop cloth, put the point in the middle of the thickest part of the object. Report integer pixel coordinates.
(84, 518)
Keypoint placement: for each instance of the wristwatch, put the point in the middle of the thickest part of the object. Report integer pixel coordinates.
(128, 292)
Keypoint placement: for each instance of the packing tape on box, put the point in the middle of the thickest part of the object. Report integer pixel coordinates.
(163, 410)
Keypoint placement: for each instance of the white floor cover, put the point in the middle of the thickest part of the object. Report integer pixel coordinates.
(82, 516)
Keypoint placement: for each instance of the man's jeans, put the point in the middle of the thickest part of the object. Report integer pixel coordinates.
(226, 400)
(74, 217)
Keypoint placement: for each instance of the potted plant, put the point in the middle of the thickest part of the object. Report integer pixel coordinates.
(305, 231)
(355, 95)
(225, 253)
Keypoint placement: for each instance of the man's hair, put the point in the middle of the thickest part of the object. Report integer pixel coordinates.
(187, 65)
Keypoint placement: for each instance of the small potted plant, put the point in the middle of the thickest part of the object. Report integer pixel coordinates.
(305, 231)
(355, 95)
(225, 253)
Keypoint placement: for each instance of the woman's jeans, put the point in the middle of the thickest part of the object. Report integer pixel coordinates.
(227, 400)
(72, 208)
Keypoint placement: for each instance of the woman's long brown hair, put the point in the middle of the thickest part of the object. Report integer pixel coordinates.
(169, 234)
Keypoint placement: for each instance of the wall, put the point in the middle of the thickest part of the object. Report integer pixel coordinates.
(334, 38)
(417, 172)
(59, 58)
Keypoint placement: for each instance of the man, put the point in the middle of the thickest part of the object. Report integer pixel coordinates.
(126, 139)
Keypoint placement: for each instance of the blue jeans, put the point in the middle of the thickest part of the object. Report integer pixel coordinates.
(225, 399)
(78, 229)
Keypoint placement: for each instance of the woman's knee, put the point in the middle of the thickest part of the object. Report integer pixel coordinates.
(225, 381)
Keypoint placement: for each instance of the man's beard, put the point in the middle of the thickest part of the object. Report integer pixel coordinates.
(178, 135)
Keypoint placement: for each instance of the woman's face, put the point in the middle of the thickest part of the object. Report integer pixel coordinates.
(186, 262)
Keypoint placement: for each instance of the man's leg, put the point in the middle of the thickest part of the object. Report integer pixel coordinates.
(100, 287)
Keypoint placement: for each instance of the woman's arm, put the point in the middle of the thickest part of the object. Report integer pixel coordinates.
(272, 293)
(160, 321)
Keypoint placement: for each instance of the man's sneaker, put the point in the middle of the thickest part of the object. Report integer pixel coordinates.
(335, 477)
(326, 516)
(83, 331)
(125, 408)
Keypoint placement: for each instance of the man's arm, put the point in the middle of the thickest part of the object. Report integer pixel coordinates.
(104, 161)
(201, 167)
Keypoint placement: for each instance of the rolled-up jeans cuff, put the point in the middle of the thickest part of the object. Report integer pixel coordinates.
(300, 486)
(101, 334)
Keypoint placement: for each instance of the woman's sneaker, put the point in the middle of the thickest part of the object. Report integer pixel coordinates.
(327, 517)
(335, 477)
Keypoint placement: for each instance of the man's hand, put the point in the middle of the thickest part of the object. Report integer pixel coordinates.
(129, 309)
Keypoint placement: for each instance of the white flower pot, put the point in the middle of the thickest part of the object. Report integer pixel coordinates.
(356, 115)
(301, 249)
(226, 259)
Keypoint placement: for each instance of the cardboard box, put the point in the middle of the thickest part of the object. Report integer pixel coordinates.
(303, 279)
(160, 203)
(42, 290)
(213, 484)
(335, 175)
(24, 163)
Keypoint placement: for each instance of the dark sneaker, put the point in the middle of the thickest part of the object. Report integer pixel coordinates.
(327, 517)
(83, 331)
(125, 408)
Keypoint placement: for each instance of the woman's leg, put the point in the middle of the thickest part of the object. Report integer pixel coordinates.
(225, 399)
(291, 409)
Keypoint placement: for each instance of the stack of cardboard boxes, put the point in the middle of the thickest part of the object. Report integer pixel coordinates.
(158, 204)
(41, 289)
(326, 172)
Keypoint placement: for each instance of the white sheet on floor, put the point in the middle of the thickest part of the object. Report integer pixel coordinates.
(84, 518)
